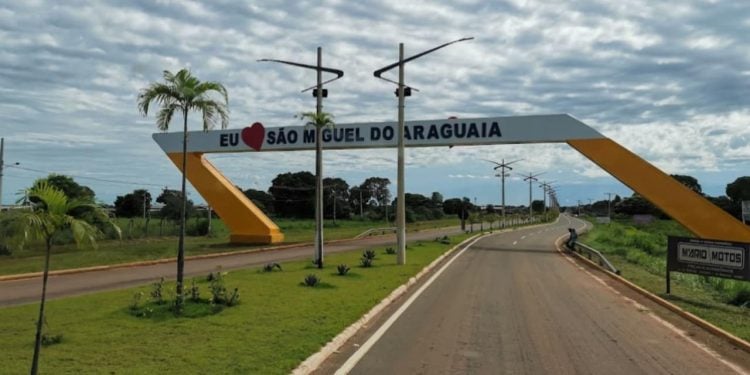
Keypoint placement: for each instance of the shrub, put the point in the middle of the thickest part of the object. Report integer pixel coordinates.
(51, 339)
(195, 293)
(5, 250)
(343, 269)
(366, 262)
(199, 229)
(311, 280)
(157, 292)
(269, 267)
(233, 299)
(741, 298)
(390, 251)
(218, 289)
(369, 254)
(445, 240)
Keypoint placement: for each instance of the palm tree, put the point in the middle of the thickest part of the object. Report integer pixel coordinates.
(51, 214)
(184, 92)
(319, 120)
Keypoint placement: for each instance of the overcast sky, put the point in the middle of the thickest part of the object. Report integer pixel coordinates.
(668, 80)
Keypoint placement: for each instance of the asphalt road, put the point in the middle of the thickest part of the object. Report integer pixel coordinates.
(511, 304)
(18, 292)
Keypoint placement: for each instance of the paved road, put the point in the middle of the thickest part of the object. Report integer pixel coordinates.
(27, 290)
(512, 305)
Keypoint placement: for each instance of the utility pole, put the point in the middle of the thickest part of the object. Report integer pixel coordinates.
(503, 166)
(361, 213)
(609, 205)
(402, 92)
(531, 178)
(319, 93)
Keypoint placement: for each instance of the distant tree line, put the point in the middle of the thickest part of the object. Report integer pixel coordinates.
(736, 192)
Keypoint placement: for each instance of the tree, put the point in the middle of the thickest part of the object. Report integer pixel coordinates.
(134, 204)
(359, 199)
(51, 215)
(263, 200)
(689, 181)
(537, 206)
(183, 92)
(294, 194)
(68, 186)
(378, 188)
(739, 190)
(437, 199)
(336, 189)
(173, 205)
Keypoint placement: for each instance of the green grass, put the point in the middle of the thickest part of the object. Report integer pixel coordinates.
(137, 249)
(277, 324)
(640, 253)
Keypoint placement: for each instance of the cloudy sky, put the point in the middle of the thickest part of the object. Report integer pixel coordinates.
(668, 80)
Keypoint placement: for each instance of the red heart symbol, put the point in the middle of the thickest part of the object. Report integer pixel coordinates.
(254, 136)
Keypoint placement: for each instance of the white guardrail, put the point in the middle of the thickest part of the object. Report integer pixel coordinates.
(589, 251)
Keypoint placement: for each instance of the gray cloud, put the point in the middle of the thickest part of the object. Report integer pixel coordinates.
(664, 79)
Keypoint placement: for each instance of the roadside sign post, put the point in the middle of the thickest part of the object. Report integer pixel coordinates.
(704, 257)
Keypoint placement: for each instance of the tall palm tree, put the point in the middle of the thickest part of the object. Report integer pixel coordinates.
(319, 120)
(183, 92)
(51, 214)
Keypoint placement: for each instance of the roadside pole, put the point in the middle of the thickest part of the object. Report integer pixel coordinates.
(401, 205)
(2, 149)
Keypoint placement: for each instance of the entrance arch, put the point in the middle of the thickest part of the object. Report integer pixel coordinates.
(249, 225)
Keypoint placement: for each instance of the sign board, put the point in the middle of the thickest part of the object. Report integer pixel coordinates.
(423, 133)
(708, 257)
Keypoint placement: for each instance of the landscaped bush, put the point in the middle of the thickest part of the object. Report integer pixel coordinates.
(311, 280)
(366, 262)
(390, 250)
(369, 254)
(269, 267)
(157, 292)
(343, 269)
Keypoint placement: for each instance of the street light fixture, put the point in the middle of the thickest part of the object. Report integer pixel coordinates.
(609, 205)
(319, 93)
(402, 92)
(545, 185)
(531, 178)
(502, 166)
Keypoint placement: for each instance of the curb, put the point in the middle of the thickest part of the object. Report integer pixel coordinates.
(314, 361)
(140, 263)
(716, 331)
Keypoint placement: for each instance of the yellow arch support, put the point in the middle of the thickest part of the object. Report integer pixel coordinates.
(690, 209)
(247, 223)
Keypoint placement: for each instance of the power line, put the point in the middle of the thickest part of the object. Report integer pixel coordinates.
(86, 178)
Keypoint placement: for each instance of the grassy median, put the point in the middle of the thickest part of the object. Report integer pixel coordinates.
(133, 248)
(277, 324)
(640, 252)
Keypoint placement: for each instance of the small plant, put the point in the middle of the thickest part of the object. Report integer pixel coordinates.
(50, 339)
(211, 276)
(343, 269)
(445, 240)
(311, 280)
(218, 289)
(135, 304)
(390, 251)
(369, 254)
(157, 292)
(234, 298)
(269, 267)
(366, 262)
(195, 293)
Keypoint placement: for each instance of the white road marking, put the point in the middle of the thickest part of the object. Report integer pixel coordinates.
(357, 356)
(515, 242)
(642, 308)
(522, 237)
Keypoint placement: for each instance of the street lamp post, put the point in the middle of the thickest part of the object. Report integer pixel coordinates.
(319, 94)
(402, 92)
(531, 178)
(503, 166)
(609, 205)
